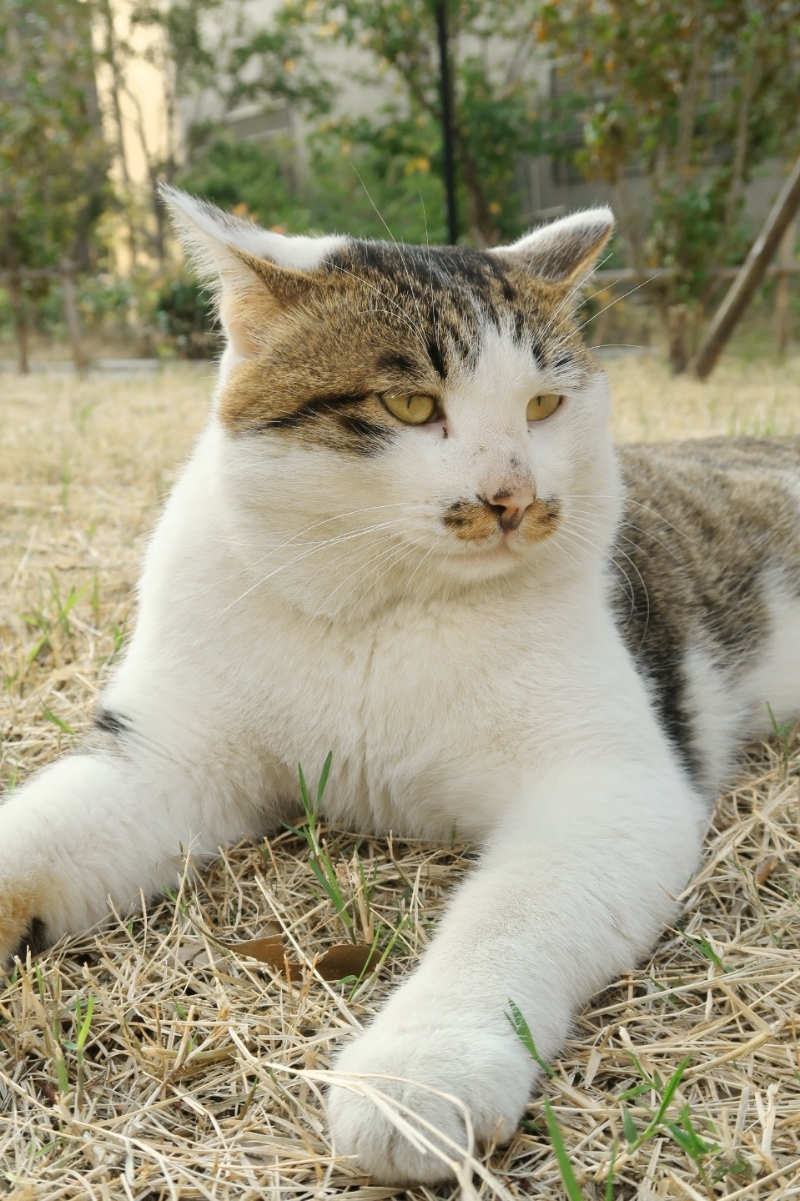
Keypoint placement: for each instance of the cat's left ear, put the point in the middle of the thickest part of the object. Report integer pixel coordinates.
(256, 275)
(560, 251)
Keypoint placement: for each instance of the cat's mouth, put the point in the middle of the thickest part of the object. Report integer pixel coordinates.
(477, 526)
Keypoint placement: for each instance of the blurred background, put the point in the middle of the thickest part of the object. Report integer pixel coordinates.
(351, 115)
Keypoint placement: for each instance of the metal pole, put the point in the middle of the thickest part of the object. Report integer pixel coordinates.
(447, 122)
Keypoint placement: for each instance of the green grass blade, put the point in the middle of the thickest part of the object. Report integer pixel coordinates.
(669, 1093)
(323, 780)
(680, 1138)
(61, 1075)
(628, 1126)
(638, 1090)
(644, 1075)
(304, 792)
(57, 721)
(83, 1033)
(367, 962)
(700, 1147)
(523, 1032)
(571, 1186)
(332, 892)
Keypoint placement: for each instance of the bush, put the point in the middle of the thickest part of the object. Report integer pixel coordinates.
(184, 319)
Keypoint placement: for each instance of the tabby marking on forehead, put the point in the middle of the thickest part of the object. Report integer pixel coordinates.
(386, 318)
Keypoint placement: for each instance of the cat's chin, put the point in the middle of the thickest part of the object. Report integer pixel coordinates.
(486, 562)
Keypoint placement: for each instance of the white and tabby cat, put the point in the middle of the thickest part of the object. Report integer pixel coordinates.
(403, 538)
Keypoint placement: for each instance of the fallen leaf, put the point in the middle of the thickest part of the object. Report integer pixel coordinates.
(765, 869)
(337, 963)
(271, 951)
(346, 959)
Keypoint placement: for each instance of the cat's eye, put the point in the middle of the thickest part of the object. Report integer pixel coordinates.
(417, 409)
(543, 406)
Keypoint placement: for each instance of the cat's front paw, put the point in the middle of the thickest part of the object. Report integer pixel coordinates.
(20, 928)
(485, 1069)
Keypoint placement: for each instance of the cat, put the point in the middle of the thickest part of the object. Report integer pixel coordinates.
(405, 537)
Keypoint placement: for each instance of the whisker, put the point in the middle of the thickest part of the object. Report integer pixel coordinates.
(630, 292)
(298, 558)
(594, 267)
(425, 558)
(315, 525)
(630, 501)
(382, 553)
(399, 553)
(627, 557)
(626, 524)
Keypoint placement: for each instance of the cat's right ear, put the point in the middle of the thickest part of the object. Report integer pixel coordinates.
(256, 275)
(559, 252)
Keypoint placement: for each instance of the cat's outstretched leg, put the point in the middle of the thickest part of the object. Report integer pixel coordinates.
(574, 888)
(108, 824)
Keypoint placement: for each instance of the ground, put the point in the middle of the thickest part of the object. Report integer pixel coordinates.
(151, 1058)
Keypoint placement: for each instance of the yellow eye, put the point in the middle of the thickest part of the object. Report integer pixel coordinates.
(543, 406)
(413, 410)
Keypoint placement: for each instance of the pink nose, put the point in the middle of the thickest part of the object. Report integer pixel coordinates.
(510, 507)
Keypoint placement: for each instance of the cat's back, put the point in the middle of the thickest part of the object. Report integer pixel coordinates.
(707, 585)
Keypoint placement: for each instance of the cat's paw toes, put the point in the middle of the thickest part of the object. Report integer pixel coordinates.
(489, 1077)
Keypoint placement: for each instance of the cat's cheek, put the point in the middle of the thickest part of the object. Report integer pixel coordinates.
(443, 1070)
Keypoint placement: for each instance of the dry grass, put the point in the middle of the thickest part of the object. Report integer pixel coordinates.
(197, 1073)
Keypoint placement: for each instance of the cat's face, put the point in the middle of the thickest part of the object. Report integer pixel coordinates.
(402, 418)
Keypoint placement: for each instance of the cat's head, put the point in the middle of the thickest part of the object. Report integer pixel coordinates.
(397, 419)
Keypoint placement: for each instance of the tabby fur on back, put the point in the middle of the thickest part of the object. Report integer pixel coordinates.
(501, 628)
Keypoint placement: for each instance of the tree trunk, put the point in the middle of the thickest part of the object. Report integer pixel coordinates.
(677, 317)
(16, 292)
(750, 274)
(484, 227)
(71, 317)
(117, 85)
(786, 254)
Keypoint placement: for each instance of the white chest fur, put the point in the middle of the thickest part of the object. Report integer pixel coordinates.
(433, 709)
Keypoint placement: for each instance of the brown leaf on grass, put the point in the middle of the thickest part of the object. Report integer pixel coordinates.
(337, 963)
(765, 869)
(269, 950)
(346, 959)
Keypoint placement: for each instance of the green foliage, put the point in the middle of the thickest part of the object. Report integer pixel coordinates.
(693, 97)
(53, 159)
(492, 44)
(215, 45)
(166, 314)
(684, 231)
(376, 185)
(351, 181)
(234, 173)
(184, 316)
